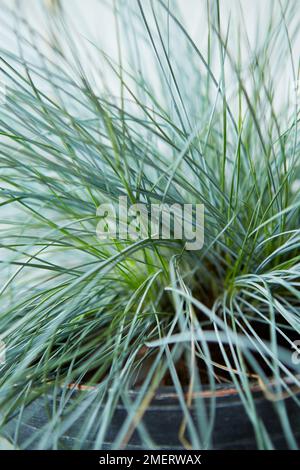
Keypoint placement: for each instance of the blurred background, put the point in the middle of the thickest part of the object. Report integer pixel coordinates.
(97, 24)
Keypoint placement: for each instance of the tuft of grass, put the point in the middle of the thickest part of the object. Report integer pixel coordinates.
(168, 118)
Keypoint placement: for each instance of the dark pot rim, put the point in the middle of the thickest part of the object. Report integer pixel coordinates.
(222, 391)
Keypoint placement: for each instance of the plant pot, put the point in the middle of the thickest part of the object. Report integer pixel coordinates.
(232, 430)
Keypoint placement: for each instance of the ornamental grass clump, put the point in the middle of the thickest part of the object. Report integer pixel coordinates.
(167, 114)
